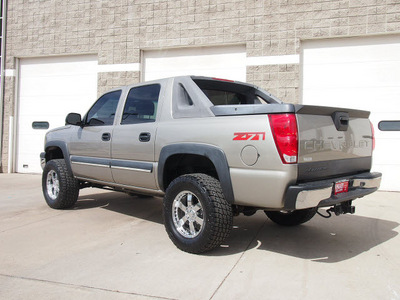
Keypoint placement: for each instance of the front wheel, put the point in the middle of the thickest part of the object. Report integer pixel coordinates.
(292, 218)
(197, 217)
(60, 188)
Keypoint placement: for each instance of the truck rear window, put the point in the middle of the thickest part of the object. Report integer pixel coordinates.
(231, 93)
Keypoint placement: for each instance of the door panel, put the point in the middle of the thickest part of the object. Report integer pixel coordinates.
(90, 153)
(90, 145)
(133, 139)
(132, 159)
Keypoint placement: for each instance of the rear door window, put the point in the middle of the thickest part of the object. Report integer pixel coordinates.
(141, 104)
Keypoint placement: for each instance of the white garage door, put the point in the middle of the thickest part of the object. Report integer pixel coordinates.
(223, 62)
(50, 88)
(361, 73)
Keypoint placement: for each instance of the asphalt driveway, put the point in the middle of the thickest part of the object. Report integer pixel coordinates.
(114, 246)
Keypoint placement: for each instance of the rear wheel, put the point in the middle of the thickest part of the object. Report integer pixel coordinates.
(197, 217)
(60, 188)
(292, 218)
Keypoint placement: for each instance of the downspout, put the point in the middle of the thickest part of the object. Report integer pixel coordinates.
(3, 50)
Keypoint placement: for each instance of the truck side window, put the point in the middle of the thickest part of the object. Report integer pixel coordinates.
(141, 104)
(103, 111)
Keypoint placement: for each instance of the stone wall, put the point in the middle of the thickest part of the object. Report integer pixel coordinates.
(118, 30)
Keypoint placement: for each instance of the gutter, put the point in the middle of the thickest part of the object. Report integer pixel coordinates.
(3, 50)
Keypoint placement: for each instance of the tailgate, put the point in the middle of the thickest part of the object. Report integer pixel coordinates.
(332, 142)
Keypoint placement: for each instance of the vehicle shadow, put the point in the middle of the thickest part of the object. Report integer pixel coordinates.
(145, 208)
(320, 240)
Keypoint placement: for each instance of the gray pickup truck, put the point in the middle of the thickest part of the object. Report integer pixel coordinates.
(213, 149)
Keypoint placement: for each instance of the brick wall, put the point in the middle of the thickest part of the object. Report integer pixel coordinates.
(8, 102)
(118, 30)
(109, 80)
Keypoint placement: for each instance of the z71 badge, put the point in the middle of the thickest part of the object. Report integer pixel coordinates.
(249, 136)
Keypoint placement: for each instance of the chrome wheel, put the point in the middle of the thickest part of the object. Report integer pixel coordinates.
(52, 184)
(187, 214)
(197, 217)
(60, 188)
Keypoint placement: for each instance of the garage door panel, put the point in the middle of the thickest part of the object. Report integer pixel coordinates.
(59, 65)
(32, 73)
(49, 106)
(377, 117)
(50, 88)
(56, 86)
(361, 74)
(354, 75)
(365, 98)
(389, 182)
(382, 145)
(353, 50)
(28, 150)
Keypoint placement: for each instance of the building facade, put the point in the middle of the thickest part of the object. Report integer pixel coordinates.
(58, 53)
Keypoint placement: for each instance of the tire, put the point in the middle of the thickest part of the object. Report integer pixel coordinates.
(197, 217)
(60, 188)
(293, 218)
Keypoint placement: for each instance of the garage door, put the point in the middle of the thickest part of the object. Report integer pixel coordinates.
(361, 73)
(50, 88)
(224, 62)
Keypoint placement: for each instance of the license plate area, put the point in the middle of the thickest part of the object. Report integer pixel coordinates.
(341, 187)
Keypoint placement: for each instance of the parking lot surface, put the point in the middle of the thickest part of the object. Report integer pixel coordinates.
(114, 246)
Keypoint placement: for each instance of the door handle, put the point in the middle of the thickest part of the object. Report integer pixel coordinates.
(144, 137)
(341, 120)
(106, 137)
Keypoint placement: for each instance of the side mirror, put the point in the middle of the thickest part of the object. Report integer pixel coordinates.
(73, 119)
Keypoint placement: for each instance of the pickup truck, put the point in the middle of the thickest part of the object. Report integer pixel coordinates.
(212, 148)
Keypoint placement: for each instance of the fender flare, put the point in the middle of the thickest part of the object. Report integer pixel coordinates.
(63, 146)
(213, 153)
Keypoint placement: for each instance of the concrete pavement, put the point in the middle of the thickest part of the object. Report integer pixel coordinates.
(114, 246)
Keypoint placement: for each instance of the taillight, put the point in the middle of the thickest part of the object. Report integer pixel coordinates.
(284, 130)
(373, 135)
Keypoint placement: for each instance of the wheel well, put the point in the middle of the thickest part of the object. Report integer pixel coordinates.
(180, 164)
(54, 153)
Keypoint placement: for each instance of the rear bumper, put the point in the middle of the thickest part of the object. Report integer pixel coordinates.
(320, 193)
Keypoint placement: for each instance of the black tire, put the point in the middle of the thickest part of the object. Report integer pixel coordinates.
(292, 218)
(60, 188)
(197, 217)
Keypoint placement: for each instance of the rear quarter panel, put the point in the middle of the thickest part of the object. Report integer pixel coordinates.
(258, 176)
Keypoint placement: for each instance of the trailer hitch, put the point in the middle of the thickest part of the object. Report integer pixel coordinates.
(339, 209)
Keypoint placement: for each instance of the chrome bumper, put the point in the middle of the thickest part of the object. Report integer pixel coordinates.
(42, 159)
(321, 193)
